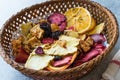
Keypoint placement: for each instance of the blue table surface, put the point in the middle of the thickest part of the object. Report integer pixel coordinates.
(10, 7)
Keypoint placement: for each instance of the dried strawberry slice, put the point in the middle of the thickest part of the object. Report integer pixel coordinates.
(56, 18)
(62, 62)
(47, 40)
(22, 56)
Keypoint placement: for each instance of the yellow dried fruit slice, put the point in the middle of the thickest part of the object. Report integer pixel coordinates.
(81, 20)
(71, 13)
(97, 30)
(93, 24)
(38, 62)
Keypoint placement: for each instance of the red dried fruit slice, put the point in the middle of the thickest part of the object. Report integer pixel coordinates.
(22, 56)
(47, 40)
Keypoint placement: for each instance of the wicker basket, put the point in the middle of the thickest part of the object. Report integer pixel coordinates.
(100, 13)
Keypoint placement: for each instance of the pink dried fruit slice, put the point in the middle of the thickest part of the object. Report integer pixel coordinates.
(90, 55)
(98, 38)
(100, 47)
(62, 26)
(62, 62)
(47, 40)
(56, 18)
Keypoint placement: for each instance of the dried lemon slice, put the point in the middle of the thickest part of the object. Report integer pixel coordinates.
(81, 19)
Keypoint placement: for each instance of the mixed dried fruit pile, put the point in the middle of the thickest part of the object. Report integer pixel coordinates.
(59, 42)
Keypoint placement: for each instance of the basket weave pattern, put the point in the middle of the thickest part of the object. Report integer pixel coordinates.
(43, 10)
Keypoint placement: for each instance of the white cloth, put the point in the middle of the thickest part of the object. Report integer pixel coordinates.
(113, 68)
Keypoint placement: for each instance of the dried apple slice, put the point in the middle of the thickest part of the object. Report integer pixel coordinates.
(38, 62)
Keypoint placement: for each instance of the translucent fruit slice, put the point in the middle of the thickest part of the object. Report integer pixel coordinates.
(97, 30)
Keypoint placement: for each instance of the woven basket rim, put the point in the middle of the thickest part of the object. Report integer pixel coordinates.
(95, 4)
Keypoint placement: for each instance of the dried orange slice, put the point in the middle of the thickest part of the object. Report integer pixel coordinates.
(93, 24)
(71, 13)
(81, 19)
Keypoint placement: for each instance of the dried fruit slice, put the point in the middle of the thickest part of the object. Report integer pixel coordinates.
(22, 56)
(93, 24)
(56, 18)
(38, 62)
(93, 53)
(47, 40)
(71, 13)
(98, 38)
(26, 28)
(62, 62)
(62, 26)
(71, 33)
(53, 68)
(97, 30)
(81, 21)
